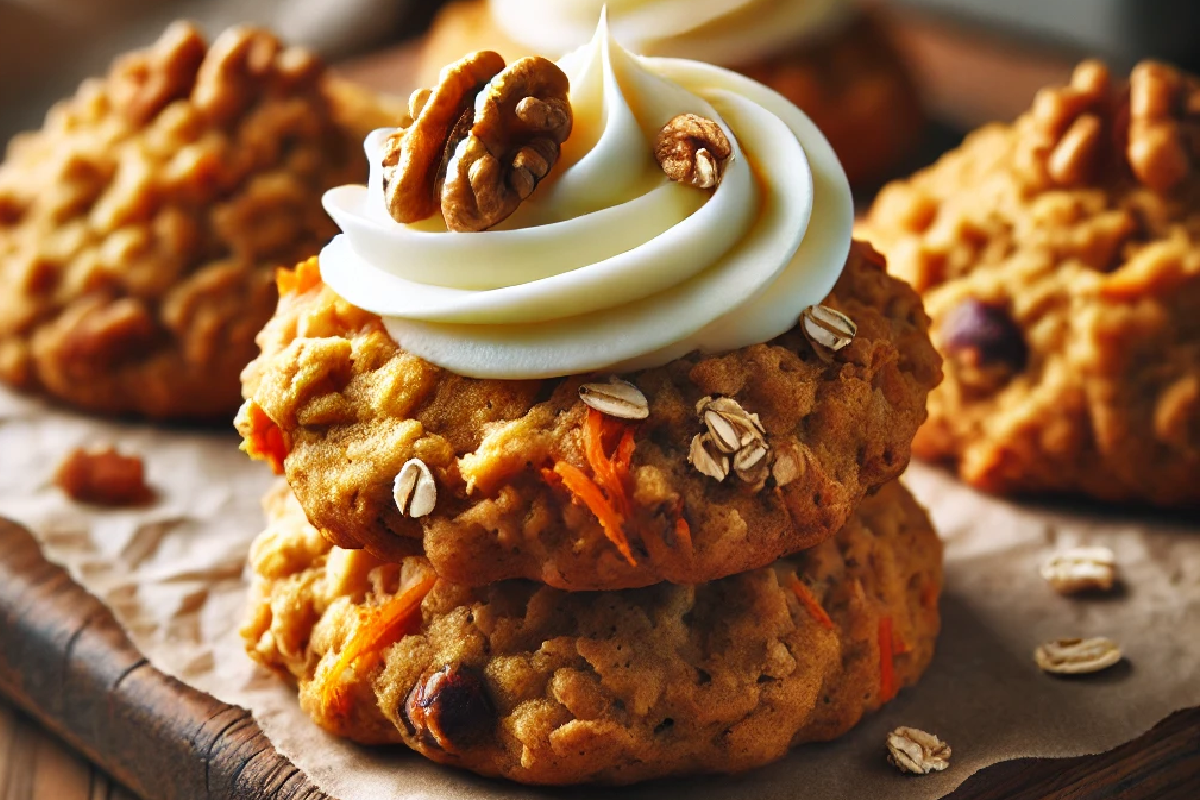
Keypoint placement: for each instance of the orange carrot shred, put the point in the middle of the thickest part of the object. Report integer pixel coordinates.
(809, 602)
(305, 276)
(588, 493)
(887, 677)
(376, 629)
(606, 475)
(683, 531)
(265, 441)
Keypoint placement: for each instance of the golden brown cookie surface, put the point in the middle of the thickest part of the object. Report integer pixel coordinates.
(542, 686)
(532, 484)
(141, 226)
(1060, 260)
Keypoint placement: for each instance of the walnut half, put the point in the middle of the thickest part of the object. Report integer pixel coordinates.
(479, 143)
(693, 149)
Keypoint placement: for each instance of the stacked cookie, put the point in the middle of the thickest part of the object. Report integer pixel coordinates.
(594, 480)
(685, 569)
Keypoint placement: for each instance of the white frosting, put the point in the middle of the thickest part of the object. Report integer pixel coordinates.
(610, 265)
(726, 32)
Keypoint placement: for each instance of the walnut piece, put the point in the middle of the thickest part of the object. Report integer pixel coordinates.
(512, 144)
(694, 150)
(415, 157)
(479, 143)
(1162, 125)
(917, 752)
(103, 477)
(144, 82)
(1077, 131)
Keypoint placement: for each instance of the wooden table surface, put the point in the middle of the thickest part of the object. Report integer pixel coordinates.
(36, 766)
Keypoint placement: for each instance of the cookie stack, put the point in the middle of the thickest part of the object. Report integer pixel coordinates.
(526, 541)
(514, 581)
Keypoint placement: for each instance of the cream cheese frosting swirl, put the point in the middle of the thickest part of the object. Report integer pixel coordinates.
(727, 32)
(610, 265)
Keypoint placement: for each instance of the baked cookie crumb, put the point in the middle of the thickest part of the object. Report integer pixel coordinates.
(103, 477)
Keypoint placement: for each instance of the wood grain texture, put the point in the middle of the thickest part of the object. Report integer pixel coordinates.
(66, 661)
(36, 766)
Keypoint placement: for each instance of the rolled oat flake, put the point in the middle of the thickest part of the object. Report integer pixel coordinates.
(1077, 656)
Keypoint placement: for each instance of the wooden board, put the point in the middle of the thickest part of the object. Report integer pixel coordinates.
(66, 661)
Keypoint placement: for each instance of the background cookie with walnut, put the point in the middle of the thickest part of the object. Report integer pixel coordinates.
(140, 228)
(533, 482)
(541, 686)
(1060, 260)
(840, 67)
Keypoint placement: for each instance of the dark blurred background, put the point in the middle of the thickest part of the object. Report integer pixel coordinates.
(48, 46)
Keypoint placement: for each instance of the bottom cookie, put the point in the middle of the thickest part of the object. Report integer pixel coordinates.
(544, 686)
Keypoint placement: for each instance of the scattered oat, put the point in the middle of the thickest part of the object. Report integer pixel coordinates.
(1079, 569)
(616, 398)
(707, 457)
(917, 752)
(732, 431)
(828, 327)
(1077, 656)
(415, 491)
(730, 425)
(103, 477)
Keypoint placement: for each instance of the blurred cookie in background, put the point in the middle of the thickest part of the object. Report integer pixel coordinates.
(1059, 258)
(141, 227)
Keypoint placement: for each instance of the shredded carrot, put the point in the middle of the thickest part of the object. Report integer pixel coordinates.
(305, 276)
(887, 676)
(377, 628)
(264, 440)
(809, 602)
(899, 645)
(603, 468)
(588, 493)
(683, 531)
(622, 458)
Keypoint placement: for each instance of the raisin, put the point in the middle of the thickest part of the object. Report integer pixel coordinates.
(450, 709)
(986, 333)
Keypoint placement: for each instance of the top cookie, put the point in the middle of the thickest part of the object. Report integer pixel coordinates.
(339, 408)
(141, 227)
(1060, 260)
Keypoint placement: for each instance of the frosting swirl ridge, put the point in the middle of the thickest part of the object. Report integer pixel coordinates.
(725, 32)
(610, 265)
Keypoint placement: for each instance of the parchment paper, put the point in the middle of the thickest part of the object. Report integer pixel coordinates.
(172, 572)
